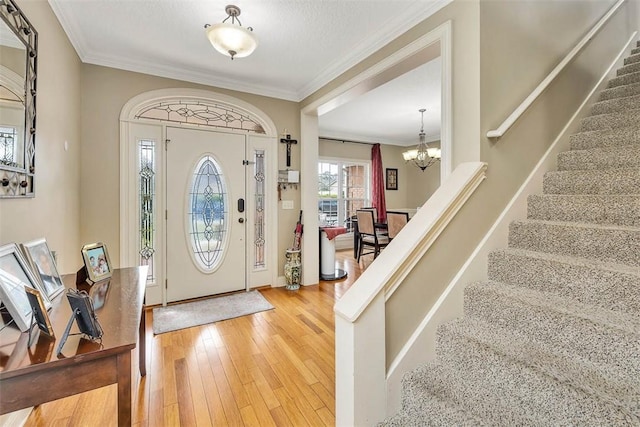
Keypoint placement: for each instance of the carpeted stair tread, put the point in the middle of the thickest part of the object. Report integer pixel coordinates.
(605, 138)
(434, 381)
(620, 92)
(626, 156)
(609, 243)
(431, 410)
(606, 285)
(559, 389)
(624, 80)
(591, 333)
(612, 209)
(616, 104)
(597, 181)
(635, 51)
(632, 59)
(628, 68)
(619, 119)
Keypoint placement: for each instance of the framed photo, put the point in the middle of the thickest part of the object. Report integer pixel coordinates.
(96, 262)
(15, 275)
(392, 179)
(38, 254)
(39, 311)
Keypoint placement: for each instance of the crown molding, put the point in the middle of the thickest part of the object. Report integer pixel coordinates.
(70, 28)
(201, 77)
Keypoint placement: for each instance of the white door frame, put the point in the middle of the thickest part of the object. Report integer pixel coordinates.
(131, 123)
(370, 78)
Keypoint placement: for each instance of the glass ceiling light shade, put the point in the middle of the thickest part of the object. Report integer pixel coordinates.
(232, 39)
(422, 156)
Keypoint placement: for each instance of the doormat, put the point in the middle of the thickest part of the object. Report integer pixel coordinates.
(202, 312)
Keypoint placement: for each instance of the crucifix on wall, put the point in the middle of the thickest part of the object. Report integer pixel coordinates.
(287, 140)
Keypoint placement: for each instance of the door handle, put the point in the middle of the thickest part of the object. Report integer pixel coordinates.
(240, 220)
(241, 205)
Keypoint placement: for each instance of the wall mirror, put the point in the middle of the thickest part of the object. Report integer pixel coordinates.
(18, 66)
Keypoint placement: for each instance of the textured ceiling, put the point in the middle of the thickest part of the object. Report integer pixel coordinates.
(389, 113)
(302, 44)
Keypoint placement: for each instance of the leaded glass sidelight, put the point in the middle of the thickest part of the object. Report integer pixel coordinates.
(259, 241)
(208, 214)
(146, 197)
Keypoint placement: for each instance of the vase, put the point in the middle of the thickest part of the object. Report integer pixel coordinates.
(292, 270)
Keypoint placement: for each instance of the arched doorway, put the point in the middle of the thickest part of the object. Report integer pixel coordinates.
(193, 196)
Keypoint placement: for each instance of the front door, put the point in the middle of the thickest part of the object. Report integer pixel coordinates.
(205, 213)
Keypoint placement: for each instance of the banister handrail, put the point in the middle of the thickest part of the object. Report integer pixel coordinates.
(529, 100)
(406, 249)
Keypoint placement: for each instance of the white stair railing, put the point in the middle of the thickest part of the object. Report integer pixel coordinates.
(360, 313)
(529, 100)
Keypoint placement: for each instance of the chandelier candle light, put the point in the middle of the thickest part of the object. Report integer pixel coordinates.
(232, 39)
(422, 156)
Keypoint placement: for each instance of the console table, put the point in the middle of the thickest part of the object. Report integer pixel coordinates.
(30, 376)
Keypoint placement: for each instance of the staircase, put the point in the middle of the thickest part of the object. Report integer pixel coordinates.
(553, 337)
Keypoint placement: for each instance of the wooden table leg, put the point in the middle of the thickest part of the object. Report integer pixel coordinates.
(124, 389)
(142, 344)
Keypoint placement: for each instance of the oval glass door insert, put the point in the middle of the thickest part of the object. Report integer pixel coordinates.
(208, 215)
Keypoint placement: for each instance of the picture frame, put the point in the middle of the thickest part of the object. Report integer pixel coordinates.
(42, 262)
(39, 311)
(97, 263)
(392, 179)
(15, 275)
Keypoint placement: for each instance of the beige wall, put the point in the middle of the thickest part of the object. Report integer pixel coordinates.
(414, 186)
(520, 42)
(54, 213)
(104, 93)
(14, 59)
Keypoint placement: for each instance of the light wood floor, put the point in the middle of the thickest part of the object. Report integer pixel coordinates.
(274, 368)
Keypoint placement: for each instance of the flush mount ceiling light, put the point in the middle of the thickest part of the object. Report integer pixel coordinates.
(232, 39)
(422, 156)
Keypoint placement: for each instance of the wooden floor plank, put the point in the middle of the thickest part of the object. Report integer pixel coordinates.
(259, 406)
(212, 395)
(265, 389)
(280, 417)
(289, 408)
(231, 411)
(249, 417)
(185, 402)
(272, 368)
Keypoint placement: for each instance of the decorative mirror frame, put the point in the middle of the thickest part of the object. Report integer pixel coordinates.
(19, 181)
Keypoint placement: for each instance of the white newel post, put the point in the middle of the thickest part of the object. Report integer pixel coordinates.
(360, 367)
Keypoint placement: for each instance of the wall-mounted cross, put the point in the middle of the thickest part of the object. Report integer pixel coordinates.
(288, 141)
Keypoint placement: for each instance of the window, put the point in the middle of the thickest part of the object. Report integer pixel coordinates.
(343, 187)
(146, 199)
(208, 214)
(8, 143)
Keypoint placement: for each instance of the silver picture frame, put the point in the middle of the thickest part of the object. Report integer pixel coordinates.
(41, 259)
(15, 274)
(97, 262)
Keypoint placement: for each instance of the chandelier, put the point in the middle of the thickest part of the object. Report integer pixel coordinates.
(422, 156)
(231, 39)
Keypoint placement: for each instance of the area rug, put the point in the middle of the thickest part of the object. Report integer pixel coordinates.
(186, 315)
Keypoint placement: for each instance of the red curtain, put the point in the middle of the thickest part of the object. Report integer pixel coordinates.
(377, 183)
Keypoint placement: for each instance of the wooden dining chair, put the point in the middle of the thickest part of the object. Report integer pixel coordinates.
(374, 210)
(368, 236)
(395, 222)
